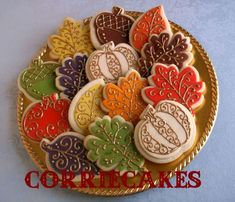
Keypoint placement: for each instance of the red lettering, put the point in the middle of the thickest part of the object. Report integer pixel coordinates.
(149, 180)
(102, 179)
(86, 179)
(28, 181)
(180, 179)
(113, 179)
(52, 175)
(163, 178)
(195, 179)
(126, 176)
(67, 180)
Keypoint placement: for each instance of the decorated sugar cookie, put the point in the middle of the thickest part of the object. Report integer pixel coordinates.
(111, 62)
(165, 132)
(72, 37)
(167, 82)
(125, 99)
(111, 145)
(85, 106)
(153, 21)
(66, 153)
(38, 80)
(166, 49)
(46, 119)
(106, 27)
(71, 76)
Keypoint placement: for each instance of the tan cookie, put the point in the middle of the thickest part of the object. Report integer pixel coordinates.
(165, 132)
(111, 62)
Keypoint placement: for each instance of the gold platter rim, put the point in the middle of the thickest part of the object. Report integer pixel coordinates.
(200, 144)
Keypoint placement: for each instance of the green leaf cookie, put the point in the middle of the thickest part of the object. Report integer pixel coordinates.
(38, 80)
(111, 145)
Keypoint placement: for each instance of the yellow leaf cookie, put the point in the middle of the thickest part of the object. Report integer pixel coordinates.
(85, 106)
(73, 36)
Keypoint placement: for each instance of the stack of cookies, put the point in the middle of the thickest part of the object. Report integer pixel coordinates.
(117, 92)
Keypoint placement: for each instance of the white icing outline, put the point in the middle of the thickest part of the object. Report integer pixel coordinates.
(168, 27)
(118, 85)
(188, 50)
(87, 138)
(25, 91)
(77, 178)
(158, 158)
(94, 38)
(76, 99)
(102, 50)
(152, 84)
(51, 54)
(59, 75)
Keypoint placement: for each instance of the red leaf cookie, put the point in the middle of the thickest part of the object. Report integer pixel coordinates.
(47, 118)
(167, 83)
(153, 21)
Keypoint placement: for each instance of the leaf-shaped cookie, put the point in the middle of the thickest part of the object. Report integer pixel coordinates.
(125, 99)
(168, 83)
(73, 37)
(85, 106)
(46, 118)
(111, 145)
(71, 76)
(166, 49)
(153, 21)
(38, 80)
(67, 153)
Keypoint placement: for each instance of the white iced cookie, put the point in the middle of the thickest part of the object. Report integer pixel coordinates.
(165, 132)
(111, 62)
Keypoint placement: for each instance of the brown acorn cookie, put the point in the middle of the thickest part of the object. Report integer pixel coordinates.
(106, 27)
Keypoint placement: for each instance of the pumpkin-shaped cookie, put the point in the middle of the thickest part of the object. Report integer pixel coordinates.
(165, 132)
(111, 62)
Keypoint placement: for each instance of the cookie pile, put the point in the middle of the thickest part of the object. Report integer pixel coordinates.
(117, 92)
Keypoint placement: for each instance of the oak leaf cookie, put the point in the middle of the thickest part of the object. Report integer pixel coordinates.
(151, 22)
(85, 106)
(66, 153)
(125, 98)
(71, 76)
(106, 27)
(166, 82)
(165, 132)
(111, 145)
(167, 49)
(46, 119)
(111, 62)
(38, 79)
(72, 37)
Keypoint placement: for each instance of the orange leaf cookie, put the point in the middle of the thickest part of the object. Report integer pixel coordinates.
(125, 99)
(153, 21)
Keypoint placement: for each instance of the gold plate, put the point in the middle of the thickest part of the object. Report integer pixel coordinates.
(205, 118)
